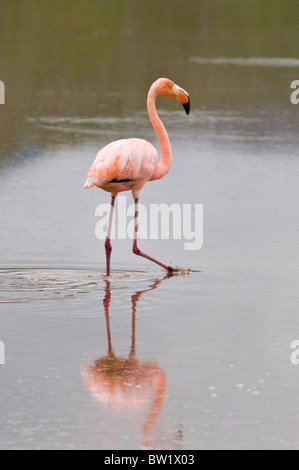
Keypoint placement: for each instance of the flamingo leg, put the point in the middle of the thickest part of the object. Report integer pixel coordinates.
(108, 246)
(136, 250)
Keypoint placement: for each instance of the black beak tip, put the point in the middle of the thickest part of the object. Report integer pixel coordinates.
(187, 107)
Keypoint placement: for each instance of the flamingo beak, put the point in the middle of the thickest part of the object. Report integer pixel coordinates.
(183, 97)
(187, 106)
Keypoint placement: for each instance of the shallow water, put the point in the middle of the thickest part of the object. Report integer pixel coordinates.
(94, 364)
(146, 360)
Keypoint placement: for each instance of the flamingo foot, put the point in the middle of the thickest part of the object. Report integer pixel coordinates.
(172, 268)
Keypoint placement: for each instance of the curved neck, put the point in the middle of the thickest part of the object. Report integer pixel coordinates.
(166, 155)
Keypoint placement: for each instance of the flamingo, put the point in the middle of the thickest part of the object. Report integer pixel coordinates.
(128, 164)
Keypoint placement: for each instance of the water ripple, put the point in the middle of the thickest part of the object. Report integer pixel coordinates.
(248, 61)
(27, 285)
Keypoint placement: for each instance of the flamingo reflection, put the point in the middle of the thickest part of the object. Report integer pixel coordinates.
(126, 382)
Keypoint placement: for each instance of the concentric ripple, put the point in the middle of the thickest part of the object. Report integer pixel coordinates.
(27, 285)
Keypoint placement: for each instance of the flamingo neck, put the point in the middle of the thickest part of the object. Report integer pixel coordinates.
(166, 155)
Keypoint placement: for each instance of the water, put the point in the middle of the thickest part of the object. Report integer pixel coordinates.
(194, 361)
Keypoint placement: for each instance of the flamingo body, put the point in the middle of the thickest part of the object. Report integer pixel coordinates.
(128, 164)
(123, 165)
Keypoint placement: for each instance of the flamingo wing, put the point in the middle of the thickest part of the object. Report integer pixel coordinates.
(122, 161)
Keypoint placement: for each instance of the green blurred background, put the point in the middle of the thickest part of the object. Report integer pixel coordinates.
(96, 58)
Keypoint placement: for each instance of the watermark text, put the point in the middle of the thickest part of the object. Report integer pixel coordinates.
(158, 222)
(295, 94)
(2, 92)
(2, 353)
(295, 354)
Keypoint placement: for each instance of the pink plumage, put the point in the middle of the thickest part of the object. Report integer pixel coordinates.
(128, 164)
(123, 165)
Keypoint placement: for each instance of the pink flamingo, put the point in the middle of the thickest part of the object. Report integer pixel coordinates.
(128, 164)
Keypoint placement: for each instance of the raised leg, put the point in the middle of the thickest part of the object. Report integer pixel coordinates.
(136, 250)
(108, 246)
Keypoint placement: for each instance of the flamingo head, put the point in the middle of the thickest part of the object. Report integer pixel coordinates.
(166, 87)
